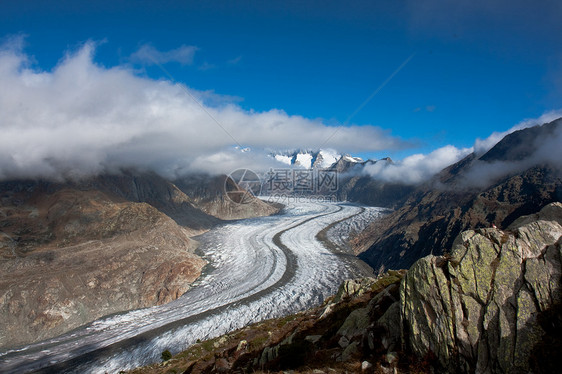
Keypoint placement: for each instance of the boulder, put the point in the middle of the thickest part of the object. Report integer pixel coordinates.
(477, 309)
(353, 288)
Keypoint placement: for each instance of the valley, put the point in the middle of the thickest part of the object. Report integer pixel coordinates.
(258, 268)
(280, 187)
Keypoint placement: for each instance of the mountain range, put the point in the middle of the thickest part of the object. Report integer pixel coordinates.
(73, 251)
(353, 184)
(455, 200)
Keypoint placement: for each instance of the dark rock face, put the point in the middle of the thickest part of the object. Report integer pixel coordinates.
(365, 190)
(478, 309)
(434, 214)
(208, 193)
(154, 190)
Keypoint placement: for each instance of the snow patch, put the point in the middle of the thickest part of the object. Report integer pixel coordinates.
(304, 160)
(284, 159)
(352, 159)
(329, 158)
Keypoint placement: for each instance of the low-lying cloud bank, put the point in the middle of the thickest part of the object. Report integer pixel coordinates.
(81, 119)
(417, 168)
(546, 150)
(421, 167)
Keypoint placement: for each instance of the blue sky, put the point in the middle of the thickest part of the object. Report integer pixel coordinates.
(476, 68)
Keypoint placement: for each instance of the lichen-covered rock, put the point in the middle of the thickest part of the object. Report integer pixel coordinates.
(476, 309)
(354, 288)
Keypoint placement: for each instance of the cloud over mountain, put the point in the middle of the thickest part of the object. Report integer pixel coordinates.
(542, 148)
(418, 167)
(421, 167)
(81, 118)
(481, 146)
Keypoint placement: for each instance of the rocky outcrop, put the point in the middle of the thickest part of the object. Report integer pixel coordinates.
(479, 308)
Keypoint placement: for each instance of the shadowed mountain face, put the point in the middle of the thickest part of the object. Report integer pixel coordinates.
(157, 192)
(208, 194)
(366, 190)
(73, 252)
(506, 182)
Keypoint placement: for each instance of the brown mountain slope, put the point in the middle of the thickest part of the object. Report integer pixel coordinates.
(493, 189)
(75, 251)
(68, 257)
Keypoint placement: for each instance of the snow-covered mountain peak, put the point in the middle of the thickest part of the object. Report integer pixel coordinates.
(323, 158)
(349, 158)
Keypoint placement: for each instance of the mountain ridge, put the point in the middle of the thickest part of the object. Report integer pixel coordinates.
(434, 213)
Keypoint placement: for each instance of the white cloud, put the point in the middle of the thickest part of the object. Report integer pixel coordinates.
(421, 167)
(147, 54)
(81, 118)
(417, 168)
(546, 150)
(482, 146)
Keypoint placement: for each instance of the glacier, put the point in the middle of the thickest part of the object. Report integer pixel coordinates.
(258, 269)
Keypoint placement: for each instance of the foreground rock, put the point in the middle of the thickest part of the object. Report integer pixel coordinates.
(485, 307)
